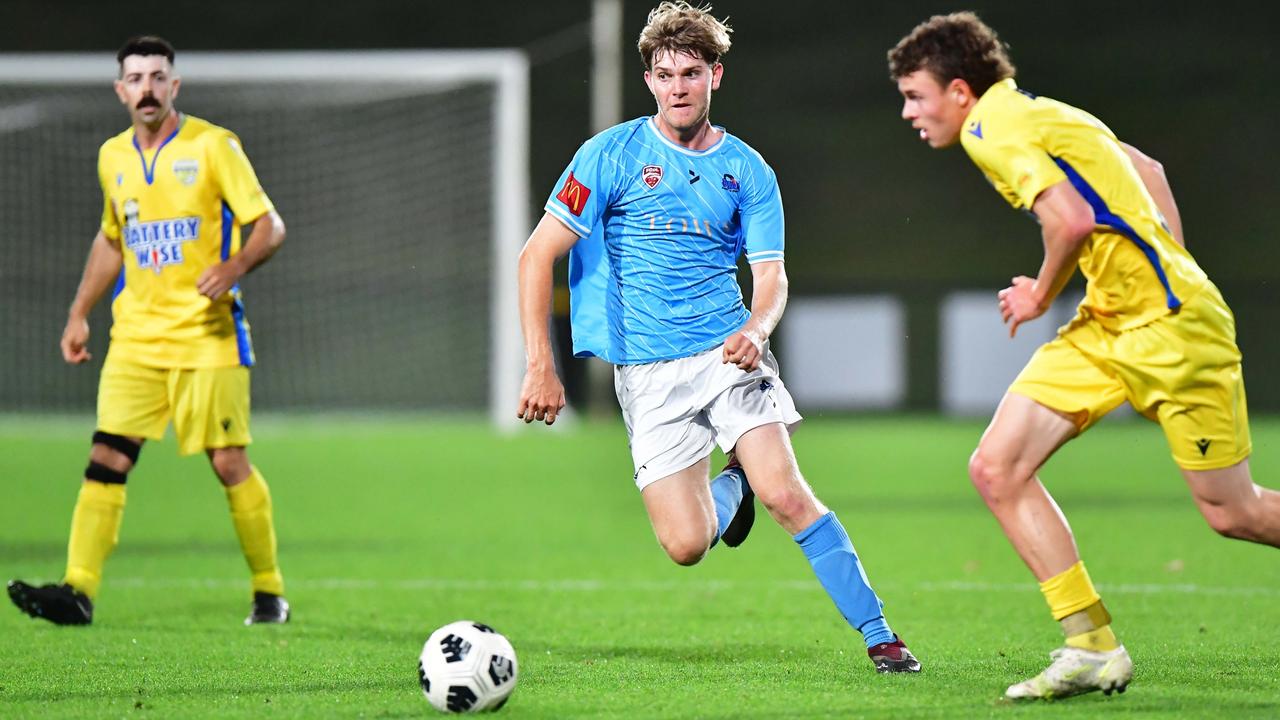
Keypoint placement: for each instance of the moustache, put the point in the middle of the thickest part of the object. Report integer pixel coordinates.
(148, 102)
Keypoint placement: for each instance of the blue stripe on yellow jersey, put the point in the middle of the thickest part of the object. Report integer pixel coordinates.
(1135, 270)
(654, 275)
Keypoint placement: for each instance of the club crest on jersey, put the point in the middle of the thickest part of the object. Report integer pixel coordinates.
(730, 183)
(574, 194)
(157, 243)
(651, 175)
(186, 170)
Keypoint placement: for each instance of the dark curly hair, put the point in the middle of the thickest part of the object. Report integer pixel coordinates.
(953, 46)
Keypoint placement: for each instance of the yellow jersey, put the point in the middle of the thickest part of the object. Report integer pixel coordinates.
(173, 212)
(1135, 270)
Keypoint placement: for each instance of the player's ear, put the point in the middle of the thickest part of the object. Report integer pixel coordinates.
(119, 88)
(959, 91)
(717, 72)
(176, 85)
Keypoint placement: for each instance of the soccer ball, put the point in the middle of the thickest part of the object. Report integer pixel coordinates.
(467, 667)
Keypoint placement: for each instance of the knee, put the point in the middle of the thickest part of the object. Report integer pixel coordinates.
(993, 477)
(230, 464)
(686, 549)
(111, 458)
(790, 504)
(115, 452)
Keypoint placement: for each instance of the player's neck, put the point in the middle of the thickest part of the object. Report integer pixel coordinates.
(149, 137)
(699, 137)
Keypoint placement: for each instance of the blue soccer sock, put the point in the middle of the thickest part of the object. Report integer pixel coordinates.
(726, 491)
(834, 561)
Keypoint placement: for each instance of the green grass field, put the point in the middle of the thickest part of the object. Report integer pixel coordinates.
(391, 527)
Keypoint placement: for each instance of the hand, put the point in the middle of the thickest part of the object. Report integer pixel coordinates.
(541, 397)
(74, 338)
(1018, 303)
(215, 281)
(743, 349)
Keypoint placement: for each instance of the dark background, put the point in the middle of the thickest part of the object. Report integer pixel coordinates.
(869, 208)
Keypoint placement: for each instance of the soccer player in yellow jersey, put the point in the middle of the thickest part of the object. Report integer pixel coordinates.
(175, 191)
(1152, 328)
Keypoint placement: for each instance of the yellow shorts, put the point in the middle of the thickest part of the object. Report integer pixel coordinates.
(209, 406)
(1181, 370)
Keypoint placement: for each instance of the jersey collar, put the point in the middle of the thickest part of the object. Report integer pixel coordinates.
(651, 123)
(149, 173)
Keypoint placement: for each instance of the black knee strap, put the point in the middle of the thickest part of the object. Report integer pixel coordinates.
(104, 474)
(120, 444)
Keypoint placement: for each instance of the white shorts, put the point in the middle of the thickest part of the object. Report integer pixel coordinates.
(677, 410)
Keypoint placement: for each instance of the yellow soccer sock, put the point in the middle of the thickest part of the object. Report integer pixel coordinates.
(1077, 606)
(95, 530)
(250, 503)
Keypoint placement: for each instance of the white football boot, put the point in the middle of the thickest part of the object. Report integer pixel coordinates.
(1075, 671)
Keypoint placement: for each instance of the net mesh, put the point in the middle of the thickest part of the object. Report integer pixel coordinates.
(379, 298)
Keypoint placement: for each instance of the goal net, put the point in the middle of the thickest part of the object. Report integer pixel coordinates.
(401, 177)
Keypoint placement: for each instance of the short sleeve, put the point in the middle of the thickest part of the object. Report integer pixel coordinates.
(763, 232)
(1019, 167)
(236, 180)
(110, 221)
(581, 196)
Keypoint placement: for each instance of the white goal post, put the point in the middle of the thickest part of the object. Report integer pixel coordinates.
(506, 69)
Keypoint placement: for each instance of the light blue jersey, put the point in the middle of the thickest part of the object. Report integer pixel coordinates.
(654, 276)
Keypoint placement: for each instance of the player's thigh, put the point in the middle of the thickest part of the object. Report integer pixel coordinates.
(666, 427)
(774, 474)
(751, 400)
(681, 509)
(1022, 435)
(132, 399)
(210, 408)
(1071, 378)
(1207, 423)
(1187, 368)
(1222, 493)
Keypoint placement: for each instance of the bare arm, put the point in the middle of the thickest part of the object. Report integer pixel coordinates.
(1152, 174)
(542, 396)
(100, 273)
(768, 299)
(1066, 221)
(264, 240)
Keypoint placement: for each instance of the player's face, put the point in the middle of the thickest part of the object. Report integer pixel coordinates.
(936, 111)
(147, 88)
(682, 85)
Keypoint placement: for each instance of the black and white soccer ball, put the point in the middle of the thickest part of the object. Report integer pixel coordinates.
(467, 667)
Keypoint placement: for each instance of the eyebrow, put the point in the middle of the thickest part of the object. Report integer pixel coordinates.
(664, 68)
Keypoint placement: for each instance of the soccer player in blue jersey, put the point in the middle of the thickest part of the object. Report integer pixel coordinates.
(654, 214)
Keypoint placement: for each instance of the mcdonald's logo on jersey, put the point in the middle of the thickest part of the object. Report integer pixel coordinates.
(574, 194)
